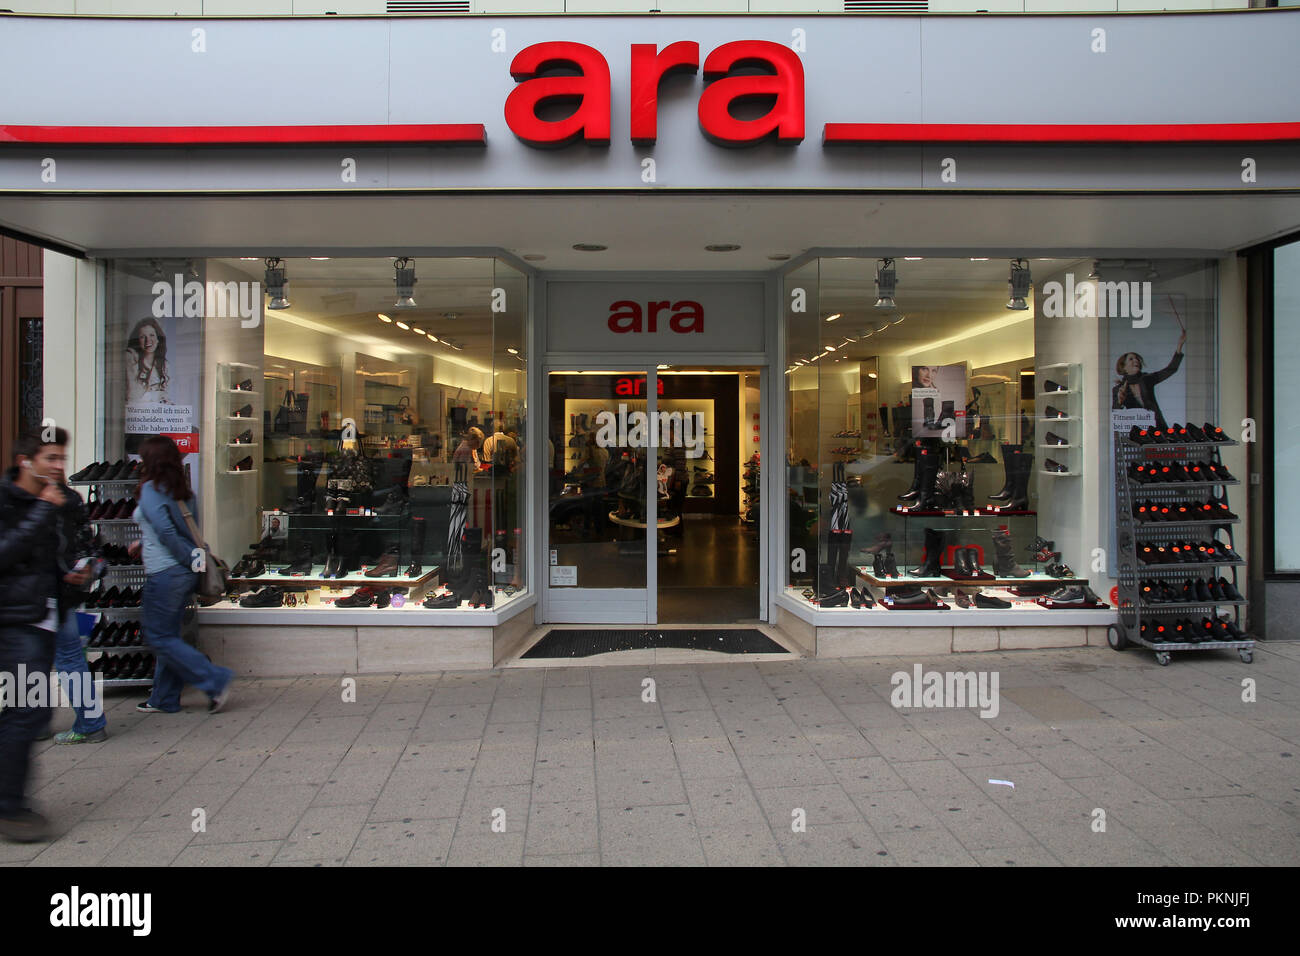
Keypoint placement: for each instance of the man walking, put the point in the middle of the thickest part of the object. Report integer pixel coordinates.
(30, 584)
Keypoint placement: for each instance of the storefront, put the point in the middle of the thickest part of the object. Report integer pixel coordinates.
(752, 347)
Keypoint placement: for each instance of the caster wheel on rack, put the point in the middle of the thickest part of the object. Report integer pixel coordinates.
(1162, 658)
(1115, 637)
(1246, 656)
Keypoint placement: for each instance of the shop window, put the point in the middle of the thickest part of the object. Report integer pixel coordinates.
(1285, 440)
(949, 446)
(351, 443)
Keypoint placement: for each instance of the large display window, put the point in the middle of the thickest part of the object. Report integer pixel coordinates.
(354, 428)
(950, 423)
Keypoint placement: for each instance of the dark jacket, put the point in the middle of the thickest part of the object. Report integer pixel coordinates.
(75, 543)
(1146, 383)
(29, 554)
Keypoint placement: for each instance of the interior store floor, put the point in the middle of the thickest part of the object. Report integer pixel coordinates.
(713, 576)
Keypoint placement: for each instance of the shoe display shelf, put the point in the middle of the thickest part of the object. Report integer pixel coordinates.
(230, 425)
(1135, 614)
(313, 579)
(1070, 401)
(1036, 580)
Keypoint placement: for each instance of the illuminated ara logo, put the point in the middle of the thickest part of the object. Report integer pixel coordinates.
(560, 72)
(683, 317)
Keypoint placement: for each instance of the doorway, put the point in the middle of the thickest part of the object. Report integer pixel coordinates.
(654, 496)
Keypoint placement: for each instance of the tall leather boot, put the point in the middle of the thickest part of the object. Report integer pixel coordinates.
(1004, 557)
(1008, 482)
(927, 499)
(884, 420)
(913, 491)
(927, 421)
(947, 412)
(474, 560)
(417, 548)
(842, 578)
(931, 565)
(1024, 468)
(306, 503)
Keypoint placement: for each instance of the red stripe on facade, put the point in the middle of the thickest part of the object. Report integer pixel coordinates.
(432, 134)
(870, 134)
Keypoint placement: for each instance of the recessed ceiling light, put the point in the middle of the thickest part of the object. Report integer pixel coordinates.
(513, 351)
(662, 367)
(417, 330)
(779, 257)
(974, 259)
(403, 326)
(832, 318)
(722, 247)
(830, 348)
(589, 247)
(382, 317)
(533, 257)
(912, 258)
(430, 336)
(249, 258)
(871, 375)
(320, 258)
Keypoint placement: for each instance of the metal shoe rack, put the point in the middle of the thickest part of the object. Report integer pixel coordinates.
(121, 532)
(1132, 534)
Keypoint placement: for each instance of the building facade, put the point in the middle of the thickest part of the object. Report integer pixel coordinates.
(666, 320)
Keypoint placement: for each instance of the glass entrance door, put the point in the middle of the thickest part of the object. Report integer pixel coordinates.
(602, 521)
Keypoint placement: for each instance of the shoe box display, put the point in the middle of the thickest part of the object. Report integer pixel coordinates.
(1178, 585)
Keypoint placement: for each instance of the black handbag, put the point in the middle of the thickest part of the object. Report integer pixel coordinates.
(291, 416)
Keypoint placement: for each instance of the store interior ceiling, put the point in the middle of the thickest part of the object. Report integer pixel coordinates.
(659, 231)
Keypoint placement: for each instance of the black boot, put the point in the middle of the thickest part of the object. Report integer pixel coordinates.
(1008, 483)
(842, 578)
(947, 413)
(1023, 468)
(884, 420)
(417, 548)
(1004, 558)
(931, 566)
(926, 499)
(913, 491)
(928, 422)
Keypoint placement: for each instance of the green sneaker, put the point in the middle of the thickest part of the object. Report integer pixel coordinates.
(72, 737)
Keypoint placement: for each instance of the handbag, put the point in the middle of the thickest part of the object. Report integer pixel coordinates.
(213, 580)
(291, 416)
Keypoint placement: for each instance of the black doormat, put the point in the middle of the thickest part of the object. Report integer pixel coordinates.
(587, 643)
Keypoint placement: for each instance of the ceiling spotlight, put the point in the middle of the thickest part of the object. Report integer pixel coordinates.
(276, 282)
(417, 330)
(382, 317)
(663, 367)
(830, 348)
(872, 375)
(404, 279)
(430, 336)
(832, 318)
(1096, 270)
(1019, 281)
(886, 282)
(403, 326)
(513, 351)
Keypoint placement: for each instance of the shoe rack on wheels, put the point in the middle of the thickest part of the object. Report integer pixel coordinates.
(122, 532)
(1132, 534)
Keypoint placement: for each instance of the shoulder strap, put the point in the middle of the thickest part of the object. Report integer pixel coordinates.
(189, 523)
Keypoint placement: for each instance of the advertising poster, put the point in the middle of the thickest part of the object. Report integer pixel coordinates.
(938, 395)
(160, 369)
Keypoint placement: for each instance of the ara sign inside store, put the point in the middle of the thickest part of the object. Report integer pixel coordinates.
(654, 317)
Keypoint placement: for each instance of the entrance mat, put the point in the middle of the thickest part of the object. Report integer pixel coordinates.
(588, 643)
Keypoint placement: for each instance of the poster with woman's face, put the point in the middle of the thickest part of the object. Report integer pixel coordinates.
(938, 395)
(1149, 383)
(161, 376)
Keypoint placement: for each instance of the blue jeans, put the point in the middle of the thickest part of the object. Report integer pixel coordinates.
(162, 606)
(70, 659)
(23, 647)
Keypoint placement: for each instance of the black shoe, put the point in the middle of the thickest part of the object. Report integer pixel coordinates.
(267, 597)
(244, 464)
(1214, 433)
(989, 601)
(333, 565)
(1055, 466)
(442, 602)
(245, 386)
(361, 597)
(1053, 439)
(383, 597)
(1050, 386)
(1229, 591)
(1068, 595)
(1053, 412)
(245, 412)
(243, 439)
(301, 565)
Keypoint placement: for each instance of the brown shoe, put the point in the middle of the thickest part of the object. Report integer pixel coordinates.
(26, 826)
(387, 566)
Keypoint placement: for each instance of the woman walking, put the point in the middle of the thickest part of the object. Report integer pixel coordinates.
(168, 550)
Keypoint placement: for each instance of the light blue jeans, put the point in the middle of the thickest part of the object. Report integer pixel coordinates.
(162, 607)
(70, 659)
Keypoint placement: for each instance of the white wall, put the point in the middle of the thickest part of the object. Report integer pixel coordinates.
(71, 303)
